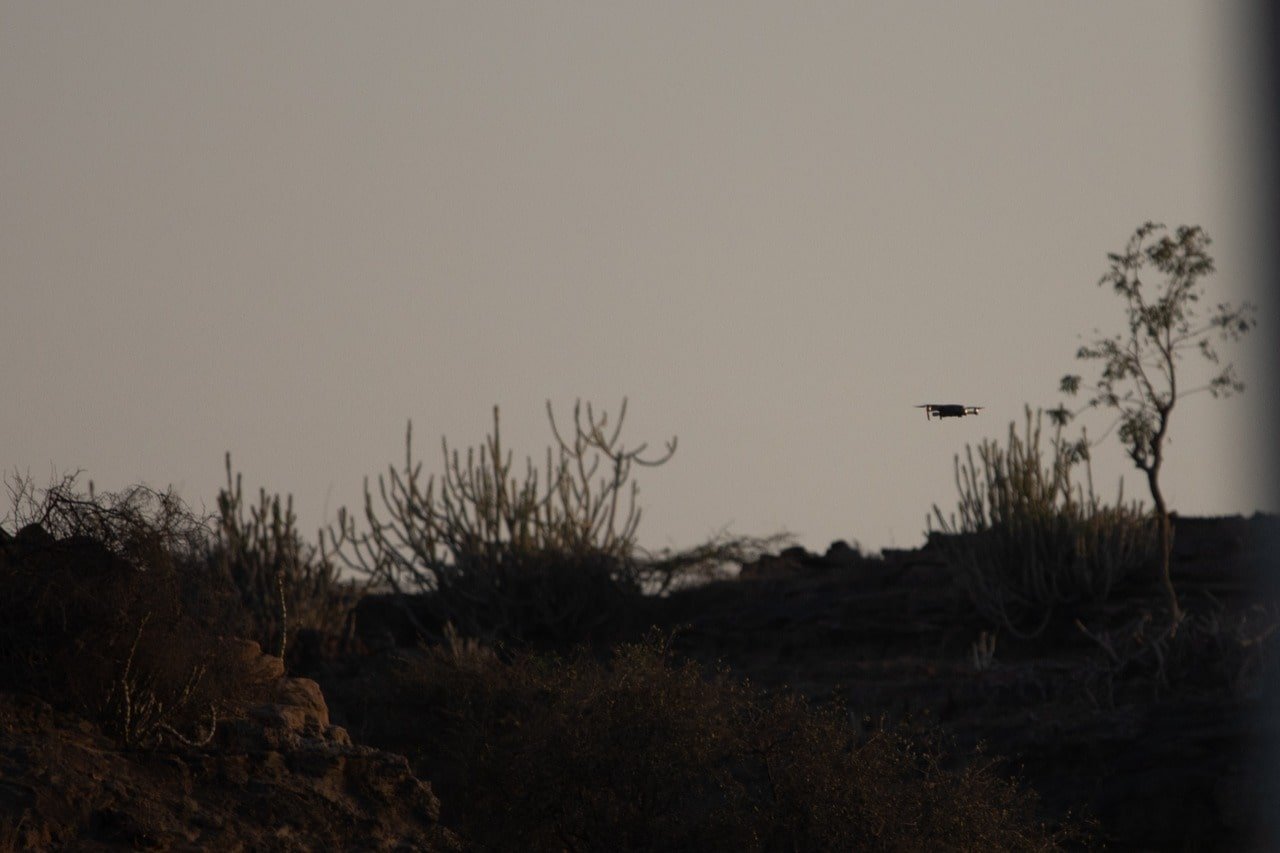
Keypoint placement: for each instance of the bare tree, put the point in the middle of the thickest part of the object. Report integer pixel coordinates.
(1140, 367)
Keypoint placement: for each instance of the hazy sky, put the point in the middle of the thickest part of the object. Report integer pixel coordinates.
(286, 229)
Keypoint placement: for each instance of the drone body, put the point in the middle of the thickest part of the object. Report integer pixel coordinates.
(949, 410)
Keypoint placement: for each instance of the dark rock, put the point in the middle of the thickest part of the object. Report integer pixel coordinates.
(797, 553)
(303, 695)
(840, 553)
(33, 535)
(34, 546)
(769, 566)
(246, 657)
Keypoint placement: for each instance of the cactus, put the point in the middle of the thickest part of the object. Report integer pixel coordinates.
(545, 556)
(1029, 538)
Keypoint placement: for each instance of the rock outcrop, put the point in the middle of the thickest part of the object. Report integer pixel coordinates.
(279, 779)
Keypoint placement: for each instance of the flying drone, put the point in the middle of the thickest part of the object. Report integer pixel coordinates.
(949, 410)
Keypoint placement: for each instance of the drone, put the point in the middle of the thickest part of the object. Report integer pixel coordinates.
(949, 410)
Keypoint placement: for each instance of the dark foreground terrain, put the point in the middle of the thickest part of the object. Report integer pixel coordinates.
(1160, 739)
(1156, 740)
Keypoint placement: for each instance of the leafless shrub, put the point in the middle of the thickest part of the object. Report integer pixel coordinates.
(1208, 650)
(96, 612)
(1029, 538)
(668, 570)
(139, 525)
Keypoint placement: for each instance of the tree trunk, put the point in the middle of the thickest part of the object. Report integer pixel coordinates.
(1166, 545)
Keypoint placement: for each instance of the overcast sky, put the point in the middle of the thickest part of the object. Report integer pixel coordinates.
(287, 229)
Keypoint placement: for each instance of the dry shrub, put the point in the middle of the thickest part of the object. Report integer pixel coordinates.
(1210, 651)
(285, 586)
(646, 753)
(101, 613)
(545, 558)
(503, 557)
(1030, 539)
(718, 558)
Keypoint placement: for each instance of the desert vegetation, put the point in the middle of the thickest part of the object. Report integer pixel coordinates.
(101, 613)
(286, 587)
(554, 682)
(1141, 367)
(644, 752)
(1030, 534)
(132, 609)
(547, 557)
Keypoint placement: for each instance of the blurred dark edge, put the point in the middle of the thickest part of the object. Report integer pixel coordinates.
(1260, 38)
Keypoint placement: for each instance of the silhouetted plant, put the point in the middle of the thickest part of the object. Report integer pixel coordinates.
(646, 753)
(1139, 376)
(139, 525)
(1210, 651)
(1029, 538)
(982, 654)
(665, 571)
(543, 557)
(284, 584)
(96, 613)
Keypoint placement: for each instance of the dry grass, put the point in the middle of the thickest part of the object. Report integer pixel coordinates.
(643, 752)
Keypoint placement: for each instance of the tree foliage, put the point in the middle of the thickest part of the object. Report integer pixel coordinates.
(1139, 368)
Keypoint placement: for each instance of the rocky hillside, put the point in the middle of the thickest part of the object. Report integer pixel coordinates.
(280, 778)
(1154, 738)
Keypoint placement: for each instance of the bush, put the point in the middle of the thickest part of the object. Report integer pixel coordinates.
(1212, 651)
(547, 558)
(284, 585)
(644, 753)
(102, 614)
(1029, 538)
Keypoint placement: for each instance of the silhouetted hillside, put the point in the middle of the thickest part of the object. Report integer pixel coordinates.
(912, 714)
